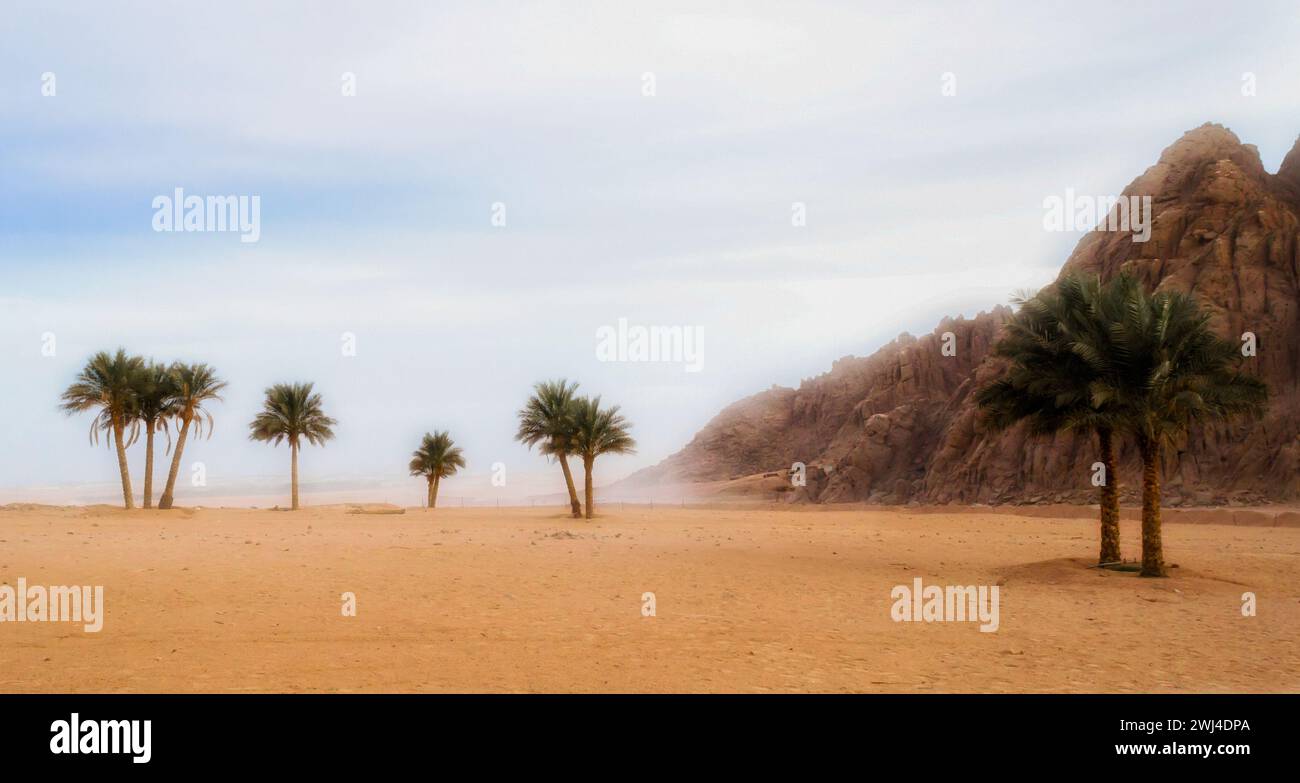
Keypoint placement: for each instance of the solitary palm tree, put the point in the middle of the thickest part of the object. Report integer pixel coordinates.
(107, 383)
(193, 385)
(546, 421)
(292, 412)
(1058, 345)
(598, 431)
(155, 399)
(437, 458)
(1173, 371)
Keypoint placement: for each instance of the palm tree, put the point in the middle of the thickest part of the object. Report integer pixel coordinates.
(597, 432)
(193, 385)
(1058, 345)
(292, 412)
(1173, 371)
(546, 421)
(155, 403)
(107, 383)
(437, 458)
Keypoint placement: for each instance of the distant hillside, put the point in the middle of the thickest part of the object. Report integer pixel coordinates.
(900, 425)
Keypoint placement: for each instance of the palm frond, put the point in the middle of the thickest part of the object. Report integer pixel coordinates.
(437, 457)
(292, 412)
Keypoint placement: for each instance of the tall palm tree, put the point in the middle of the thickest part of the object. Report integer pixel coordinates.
(292, 412)
(437, 458)
(193, 385)
(546, 421)
(155, 403)
(598, 431)
(1173, 371)
(107, 383)
(1059, 349)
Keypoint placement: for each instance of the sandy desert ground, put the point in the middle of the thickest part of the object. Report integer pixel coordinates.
(761, 600)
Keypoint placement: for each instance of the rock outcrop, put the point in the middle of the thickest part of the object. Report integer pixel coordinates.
(901, 425)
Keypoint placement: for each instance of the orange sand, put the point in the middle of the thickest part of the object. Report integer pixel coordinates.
(527, 600)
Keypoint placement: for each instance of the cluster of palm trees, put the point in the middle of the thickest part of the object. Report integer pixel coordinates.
(1118, 361)
(557, 421)
(562, 424)
(131, 394)
(1109, 359)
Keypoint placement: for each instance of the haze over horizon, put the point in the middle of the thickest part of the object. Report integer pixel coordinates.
(668, 209)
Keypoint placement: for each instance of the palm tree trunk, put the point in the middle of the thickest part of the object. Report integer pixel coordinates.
(168, 491)
(127, 501)
(431, 499)
(574, 506)
(1153, 561)
(1109, 499)
(433, 491)
(293, 449)
(148, 464)
(587, 464)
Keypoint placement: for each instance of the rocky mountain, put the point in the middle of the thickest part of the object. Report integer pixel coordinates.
(901, 424)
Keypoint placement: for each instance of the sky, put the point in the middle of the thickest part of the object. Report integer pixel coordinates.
(467, 193)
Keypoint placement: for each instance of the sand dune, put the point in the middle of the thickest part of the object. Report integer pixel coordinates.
(527, 600)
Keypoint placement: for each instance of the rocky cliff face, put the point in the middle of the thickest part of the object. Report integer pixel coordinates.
(901, 425)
